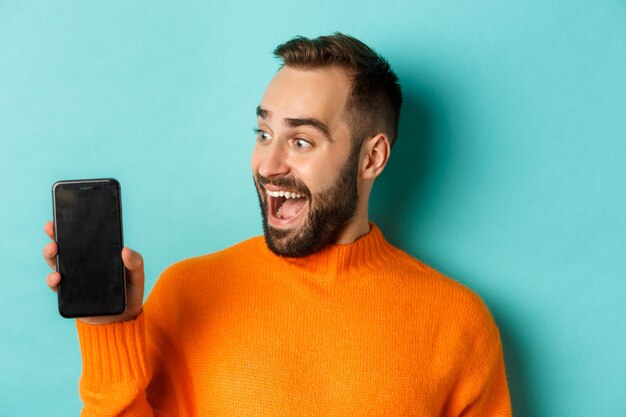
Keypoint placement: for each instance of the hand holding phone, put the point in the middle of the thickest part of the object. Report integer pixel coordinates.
(93, 270)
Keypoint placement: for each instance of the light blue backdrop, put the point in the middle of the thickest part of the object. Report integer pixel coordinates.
(508, 175)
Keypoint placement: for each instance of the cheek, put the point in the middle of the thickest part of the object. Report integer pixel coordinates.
(317, 175)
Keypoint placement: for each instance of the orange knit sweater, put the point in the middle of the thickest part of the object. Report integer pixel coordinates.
(353, 330)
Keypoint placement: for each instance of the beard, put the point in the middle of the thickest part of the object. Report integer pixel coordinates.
(329, 211)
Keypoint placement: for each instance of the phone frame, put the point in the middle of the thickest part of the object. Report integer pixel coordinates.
(54, 214)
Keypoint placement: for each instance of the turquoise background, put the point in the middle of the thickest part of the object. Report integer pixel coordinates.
(508, 174)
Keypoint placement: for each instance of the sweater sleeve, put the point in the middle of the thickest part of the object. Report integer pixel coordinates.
(482, 390)
(135, 368)
(116, 369)
(488, 386)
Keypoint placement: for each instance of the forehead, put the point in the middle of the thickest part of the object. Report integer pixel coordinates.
(299, 92)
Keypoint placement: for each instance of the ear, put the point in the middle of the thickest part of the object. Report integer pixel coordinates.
(374, 156)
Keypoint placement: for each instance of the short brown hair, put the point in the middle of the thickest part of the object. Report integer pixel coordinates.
(375, 97)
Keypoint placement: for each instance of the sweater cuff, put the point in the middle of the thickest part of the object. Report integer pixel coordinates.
(113, 352)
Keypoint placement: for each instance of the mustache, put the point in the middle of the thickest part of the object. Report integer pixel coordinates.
(285, 182)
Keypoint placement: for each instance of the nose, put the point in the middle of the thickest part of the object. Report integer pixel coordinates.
(273, 160)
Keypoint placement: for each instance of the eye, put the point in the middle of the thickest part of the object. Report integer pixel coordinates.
(302, 144)
(261, 135)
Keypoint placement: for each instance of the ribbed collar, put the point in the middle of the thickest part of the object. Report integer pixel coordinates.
(334, 262)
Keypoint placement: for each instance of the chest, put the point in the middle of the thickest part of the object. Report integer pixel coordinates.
(322, 363)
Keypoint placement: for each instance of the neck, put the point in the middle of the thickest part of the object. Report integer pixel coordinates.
(352, 231)
(356, 227)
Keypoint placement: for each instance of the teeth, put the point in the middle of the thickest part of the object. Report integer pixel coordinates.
(286, 194)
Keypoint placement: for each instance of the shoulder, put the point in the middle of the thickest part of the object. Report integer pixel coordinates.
(449, 300)
(217, 260)
(185, 289)
(191, 273)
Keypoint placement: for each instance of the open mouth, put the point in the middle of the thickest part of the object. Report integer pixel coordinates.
(285, 207)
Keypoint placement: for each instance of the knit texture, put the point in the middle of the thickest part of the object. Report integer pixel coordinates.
(361, 329)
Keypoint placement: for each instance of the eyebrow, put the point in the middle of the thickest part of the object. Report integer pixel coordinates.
(262, 113)
(299, 121)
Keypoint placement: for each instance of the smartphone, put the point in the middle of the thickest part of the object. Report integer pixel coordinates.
(88, 230)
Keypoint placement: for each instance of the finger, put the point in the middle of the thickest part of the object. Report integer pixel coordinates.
(50, 254)
(53, 280)
(49, 229)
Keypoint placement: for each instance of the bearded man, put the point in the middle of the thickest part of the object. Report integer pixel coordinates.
(321, 316)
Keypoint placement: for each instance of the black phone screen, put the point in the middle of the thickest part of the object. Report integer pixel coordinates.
(88, 230)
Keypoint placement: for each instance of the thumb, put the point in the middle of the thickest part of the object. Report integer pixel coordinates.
(133, 261)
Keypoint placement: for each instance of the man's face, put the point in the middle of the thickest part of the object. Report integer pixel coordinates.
(304, 163)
